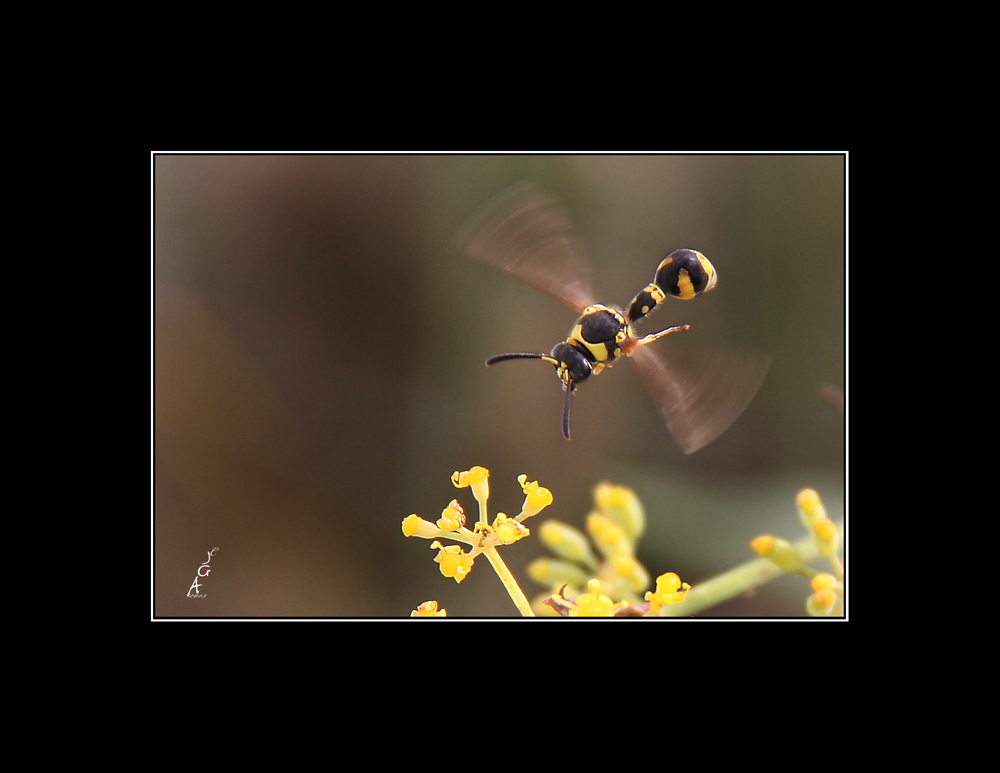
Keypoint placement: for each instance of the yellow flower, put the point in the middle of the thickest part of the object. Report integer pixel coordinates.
(624, 565)
(826, 536)
(553, 572)
(609, 537)
(609, 496)
(669, 590)
(478, 478)
(633, 573)
(622, 506)
(415, 526)
(567, 542)
(780, 552)
(429, 609)
(808, 501)
(823, 582)
(536, 498)
(825, 529)
(509, 531)
(820, 604)
(810, 507)
(452, 517)
(453, 561)
(593, 603)
(824, 600)
(763, 545)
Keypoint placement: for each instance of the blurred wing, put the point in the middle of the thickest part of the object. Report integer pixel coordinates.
(528, 234)
(700, 401)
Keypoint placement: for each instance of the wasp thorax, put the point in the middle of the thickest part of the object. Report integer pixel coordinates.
(600, 333)
(600, 324)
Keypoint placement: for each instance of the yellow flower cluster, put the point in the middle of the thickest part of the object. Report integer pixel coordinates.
(484, 537)
(589, 571)
(827, 599)
(583, 581)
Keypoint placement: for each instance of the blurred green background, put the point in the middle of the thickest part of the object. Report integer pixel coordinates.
(318, 371)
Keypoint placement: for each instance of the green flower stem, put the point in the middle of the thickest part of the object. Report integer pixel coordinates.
(735, 582)
(516, 595)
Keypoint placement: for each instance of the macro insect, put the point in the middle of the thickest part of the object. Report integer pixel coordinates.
(528, 234)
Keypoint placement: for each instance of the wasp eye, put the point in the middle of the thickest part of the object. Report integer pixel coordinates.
(685, 273)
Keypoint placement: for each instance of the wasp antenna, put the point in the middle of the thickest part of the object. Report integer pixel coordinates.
(515, 356)
(565, 426)
(522, 356)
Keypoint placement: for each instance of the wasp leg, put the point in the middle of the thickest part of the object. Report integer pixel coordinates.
(654, 336)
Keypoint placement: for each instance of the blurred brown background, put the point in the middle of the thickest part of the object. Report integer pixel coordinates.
(318, 371)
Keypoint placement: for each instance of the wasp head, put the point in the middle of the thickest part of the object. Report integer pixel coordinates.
(572, 366)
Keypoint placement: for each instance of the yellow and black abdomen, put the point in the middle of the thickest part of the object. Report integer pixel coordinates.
(682, 274)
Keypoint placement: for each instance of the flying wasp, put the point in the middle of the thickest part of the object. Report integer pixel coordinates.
(529, 235)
